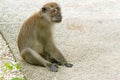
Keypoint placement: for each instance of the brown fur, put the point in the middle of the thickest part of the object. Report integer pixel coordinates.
(35, 38)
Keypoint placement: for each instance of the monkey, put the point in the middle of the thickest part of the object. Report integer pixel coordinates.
(35, 40)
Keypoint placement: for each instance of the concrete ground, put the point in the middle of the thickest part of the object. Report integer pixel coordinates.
(89, 37)
(7, 57)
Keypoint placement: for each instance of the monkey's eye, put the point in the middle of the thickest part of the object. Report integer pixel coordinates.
(54, 10)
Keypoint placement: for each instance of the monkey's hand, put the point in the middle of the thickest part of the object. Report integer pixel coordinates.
(55, 61)
(68, 65)
(59, 63)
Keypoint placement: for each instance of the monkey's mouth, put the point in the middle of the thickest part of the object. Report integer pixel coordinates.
(58, 21)
(57, 18)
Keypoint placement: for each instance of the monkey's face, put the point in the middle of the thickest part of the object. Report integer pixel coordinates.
(56, 15)
(53, 12)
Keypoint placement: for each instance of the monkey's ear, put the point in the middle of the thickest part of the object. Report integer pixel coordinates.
(44, 9)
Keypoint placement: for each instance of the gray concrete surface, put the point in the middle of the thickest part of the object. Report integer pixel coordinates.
(89, 37)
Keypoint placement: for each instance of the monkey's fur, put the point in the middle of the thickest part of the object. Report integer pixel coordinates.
(35, 38)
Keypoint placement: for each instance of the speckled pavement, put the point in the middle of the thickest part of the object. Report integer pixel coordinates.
(7, 57)
(89, 37)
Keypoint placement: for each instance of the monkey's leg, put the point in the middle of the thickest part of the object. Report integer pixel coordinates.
(33, 57)
(56, 54)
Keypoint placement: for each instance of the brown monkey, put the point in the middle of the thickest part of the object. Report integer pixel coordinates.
(35, 38)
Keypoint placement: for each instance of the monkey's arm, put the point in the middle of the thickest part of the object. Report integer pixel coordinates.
(55, 53)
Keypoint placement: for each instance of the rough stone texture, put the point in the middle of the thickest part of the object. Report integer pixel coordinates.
(7, 57)
(89, 37)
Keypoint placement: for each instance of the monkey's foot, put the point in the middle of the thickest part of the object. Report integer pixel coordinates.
(53, 68)
(68, 65)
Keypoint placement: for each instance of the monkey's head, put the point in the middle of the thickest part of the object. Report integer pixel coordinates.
(52, 12)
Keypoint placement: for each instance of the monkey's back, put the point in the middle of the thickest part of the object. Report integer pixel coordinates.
(34, 31)
(27, 37)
